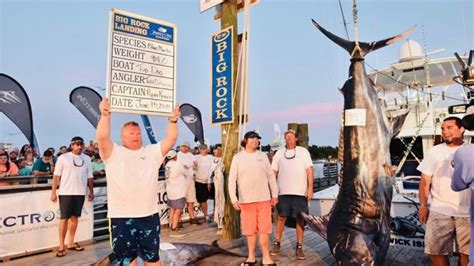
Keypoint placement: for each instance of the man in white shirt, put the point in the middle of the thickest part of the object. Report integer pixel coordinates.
(132, 187)
(176, 190)
(293, 169)
(187, 159)
(258, 192)
(73, 174)
(202, 181)
(448, 218)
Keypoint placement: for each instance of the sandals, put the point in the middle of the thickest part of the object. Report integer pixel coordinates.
(270, 264)
(248, 263)
(61, 253)
(76, 247)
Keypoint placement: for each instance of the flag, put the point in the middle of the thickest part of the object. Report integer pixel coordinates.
(191, 116)
(149, 129)
(87, 102)
(15, 104)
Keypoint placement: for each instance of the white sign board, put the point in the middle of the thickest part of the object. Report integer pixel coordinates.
(354, 117)
(29, 222)
(206, 4)
(141, 68)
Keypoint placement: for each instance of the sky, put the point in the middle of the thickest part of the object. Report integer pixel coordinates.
(52, 47)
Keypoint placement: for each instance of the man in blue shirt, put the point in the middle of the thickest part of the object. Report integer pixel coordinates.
(463, 176)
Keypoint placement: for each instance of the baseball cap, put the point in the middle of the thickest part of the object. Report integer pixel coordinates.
(252, 134)
(77, 140)
(171, 154)
(468, 119)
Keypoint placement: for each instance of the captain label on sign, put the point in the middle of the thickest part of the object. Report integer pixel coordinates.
(355, 117)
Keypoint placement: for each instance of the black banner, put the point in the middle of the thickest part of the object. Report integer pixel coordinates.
(15, 104)
(87, 102)
(191, 116)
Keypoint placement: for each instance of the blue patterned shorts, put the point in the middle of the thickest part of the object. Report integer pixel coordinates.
(132, 237)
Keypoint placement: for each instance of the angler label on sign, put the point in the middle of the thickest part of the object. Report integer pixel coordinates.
(141, 73)
(354, 117)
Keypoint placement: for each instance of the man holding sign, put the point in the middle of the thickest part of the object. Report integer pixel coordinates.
(132, 187)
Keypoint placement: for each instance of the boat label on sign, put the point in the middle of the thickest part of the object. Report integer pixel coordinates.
(222, 82)
(354, 117)
(141, 73)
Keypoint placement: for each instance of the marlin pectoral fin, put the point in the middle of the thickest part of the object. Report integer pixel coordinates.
(396, 123)
(317, 223)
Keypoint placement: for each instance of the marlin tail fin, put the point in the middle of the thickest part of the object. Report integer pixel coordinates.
(365, 47)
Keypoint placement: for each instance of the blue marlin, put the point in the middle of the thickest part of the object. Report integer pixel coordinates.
(181, 254)
(358, 231)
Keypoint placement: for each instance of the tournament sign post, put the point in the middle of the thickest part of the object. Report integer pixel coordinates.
(141, 65)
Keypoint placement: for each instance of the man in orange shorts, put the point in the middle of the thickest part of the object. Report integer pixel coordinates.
(258, 191)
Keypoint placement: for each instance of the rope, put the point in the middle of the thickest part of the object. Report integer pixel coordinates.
(356, 27)
(343, 20)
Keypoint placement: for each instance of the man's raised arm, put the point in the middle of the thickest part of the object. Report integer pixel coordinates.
(171, 132)
(103, 130)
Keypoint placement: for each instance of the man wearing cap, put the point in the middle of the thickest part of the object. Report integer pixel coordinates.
(463, 176)
(293, 169)
(132, 187)
(447, 215)
(176, 190)
(187, 159)
(258, 192)
(202, 179)
(73, 174)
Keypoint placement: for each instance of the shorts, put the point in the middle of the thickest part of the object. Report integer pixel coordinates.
(441, 232)
(202, 192)
(256, 217)
(191, 192)
(71, 205)
(132, 237)
(212, 192)
(292, 205)
(177, 203)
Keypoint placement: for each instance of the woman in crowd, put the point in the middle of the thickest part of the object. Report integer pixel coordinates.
(7, 169)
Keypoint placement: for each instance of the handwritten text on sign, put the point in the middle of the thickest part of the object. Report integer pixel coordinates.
(222, 82)
(142, 65)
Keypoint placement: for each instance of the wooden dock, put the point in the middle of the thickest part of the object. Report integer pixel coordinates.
(315, 248)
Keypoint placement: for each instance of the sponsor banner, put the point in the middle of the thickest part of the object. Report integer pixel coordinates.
(141, 73)
(191, 116)
(222, 81)
(15, 104)
(29, 222)
(87, 101)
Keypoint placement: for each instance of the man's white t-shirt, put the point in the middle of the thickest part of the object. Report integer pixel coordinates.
(188, 160)
(132, 181)
(74, 171)
(292, 178)
(438, 164)
(176, 183)
(204, 168)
